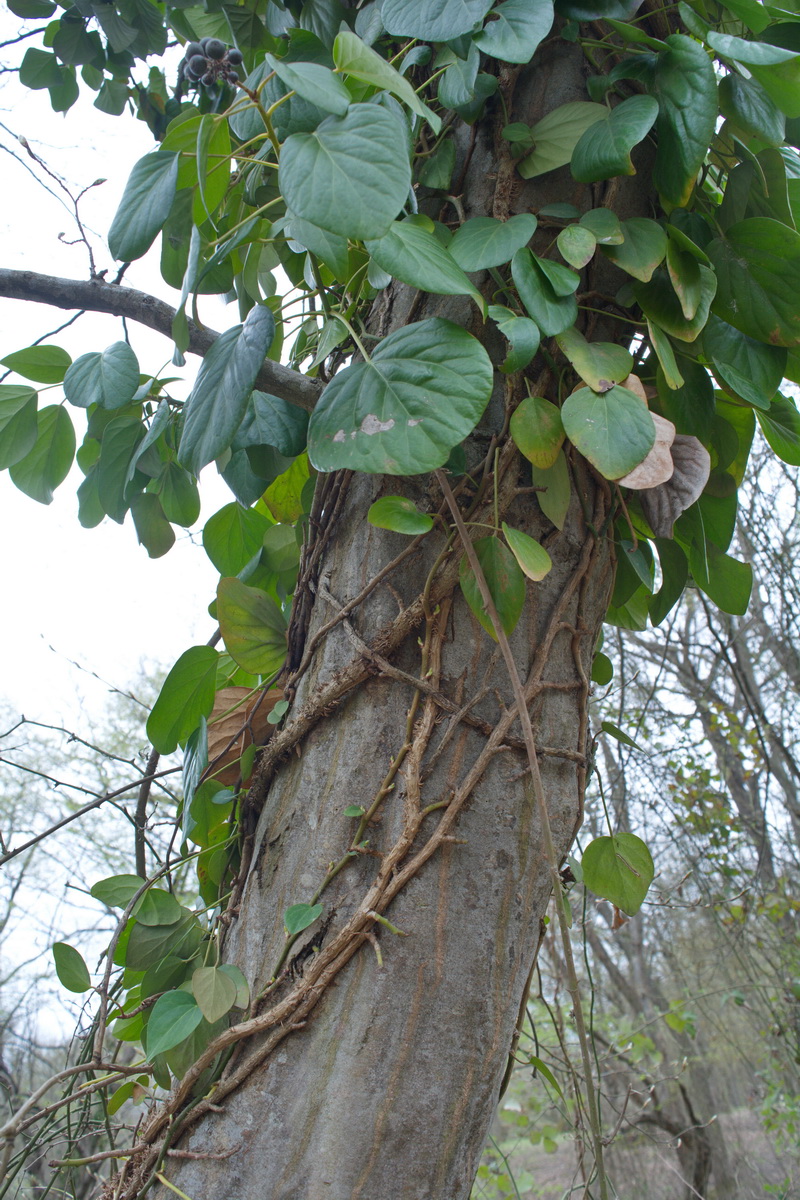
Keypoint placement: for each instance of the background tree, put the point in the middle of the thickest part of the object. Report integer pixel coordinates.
(484, 267)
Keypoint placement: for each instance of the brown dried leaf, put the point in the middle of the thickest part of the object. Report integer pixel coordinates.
(634, 384)
(663, 505)
(657, 468)
(237, 719)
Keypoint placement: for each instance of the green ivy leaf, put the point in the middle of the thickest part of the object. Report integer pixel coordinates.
(145, 205)
(724, 579)
(348, 176)
(410, 252)
(186, 695)
(505, 580)
(214, 991)
(148, 945)
(600, 364)
(642, 248)
(72, 972)
(516, 31)
(399, 514)
(18, 423)
(614, 430)
(674, 574)
(423, 391)
(242, 988)
(354, 58)
(537, 430)
(750, 369)
(158, 907)
(661, 306)
(758, 272)
(47, 463)
(556, 136)
(551, 312)
(620, 869)
(434, 21)
(686, 89)
(153, 530)
(486, 242)
(299, 916)
(314, 83)
(116, 891)
(42, 364)
(555, 489)
(604, 150)
(577, 245)
(218, 401)
(750, 108)
(521, 333)
(252, 626)
(233, 536)
(174, 1016)
(781, 427)
(109, 379)
(532, 558)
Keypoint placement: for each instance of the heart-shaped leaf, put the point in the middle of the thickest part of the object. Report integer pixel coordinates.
(615, 430)
(599, 364)
(252, 626)
(604, 150)
(505, 580)
(409, 251)
(174, 1016)
(402, 412)
(619, 869)
(537, 430)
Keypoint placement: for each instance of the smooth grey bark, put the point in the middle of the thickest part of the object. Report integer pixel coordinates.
(388, 1090)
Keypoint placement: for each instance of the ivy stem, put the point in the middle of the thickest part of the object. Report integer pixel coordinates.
(547, 833)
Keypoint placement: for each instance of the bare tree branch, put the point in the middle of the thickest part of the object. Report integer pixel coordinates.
(96, 295)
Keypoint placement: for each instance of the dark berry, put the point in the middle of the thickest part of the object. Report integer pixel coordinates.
(190, 74)
(192, 49)
(235, 57)
(204, 43)
(208, 78)
(232, 77)
(198, 64)
(215, 49)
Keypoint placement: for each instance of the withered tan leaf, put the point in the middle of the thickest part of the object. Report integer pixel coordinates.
(663, 505)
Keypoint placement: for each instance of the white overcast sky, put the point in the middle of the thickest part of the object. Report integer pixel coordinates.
(92, 596)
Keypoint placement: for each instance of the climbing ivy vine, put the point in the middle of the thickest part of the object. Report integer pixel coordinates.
(306, 159)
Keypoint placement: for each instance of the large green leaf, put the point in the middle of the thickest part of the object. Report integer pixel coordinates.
(660, 304)
(43, 364)
(423, 391)
(409, 251)
(759, 54)
(186, 695)
(620, 869)
(781, 427)
(353, 57)
(218, 401)
(615, 430)
(18, 423)
(433, 21)
(686, 89)
(145, 205)
(505, 581)
(174, 1016)
(551, 312)
(214, 991)
(758, 272)
(233, 536)
(486, 242)
(690, 406)
(109, 378)
(577, 245)
(314, 83)
(750, 369)
(747, 104)
(725, 580)
(351, 175)
(516, 30)
(538, 431)
(555, 489)
(604, 150)
(522, 334)
(47, 463)
(71, 969)
(556, 136)
(252, 626)
(270, 421)
(121, 437)
(117, 890)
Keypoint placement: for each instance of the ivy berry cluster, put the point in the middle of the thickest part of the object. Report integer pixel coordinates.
(208, 60)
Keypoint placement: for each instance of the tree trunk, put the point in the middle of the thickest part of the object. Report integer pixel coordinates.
(378, 1073)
